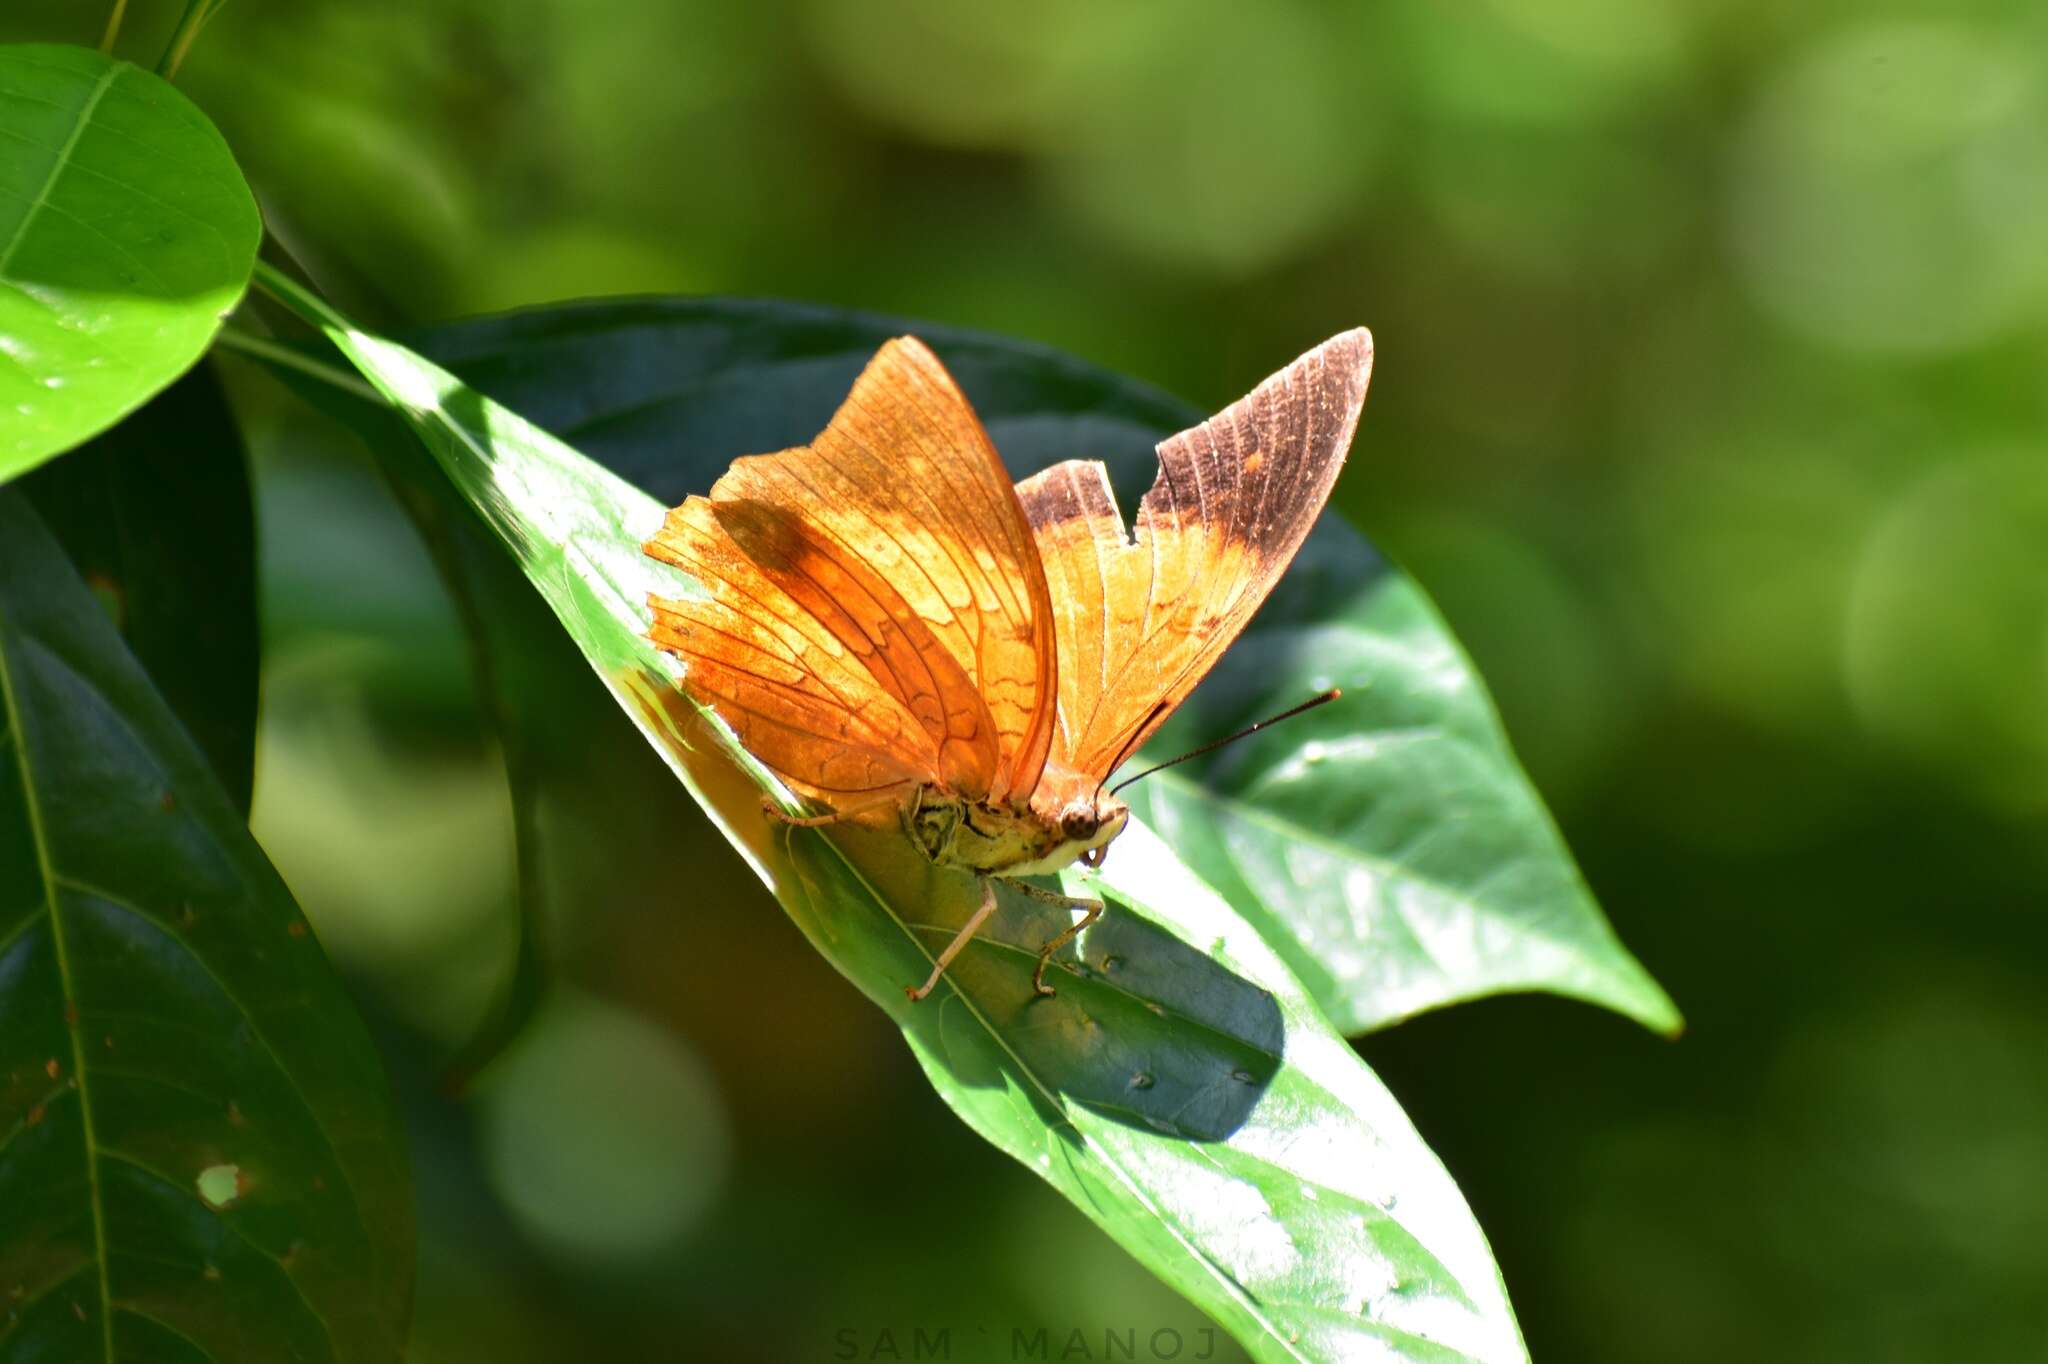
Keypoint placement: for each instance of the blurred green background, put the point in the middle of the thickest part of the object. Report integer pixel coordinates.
(1709, 405)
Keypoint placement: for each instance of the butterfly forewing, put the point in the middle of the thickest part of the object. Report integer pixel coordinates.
(799, 699)
(891, 559)
(1139, 621)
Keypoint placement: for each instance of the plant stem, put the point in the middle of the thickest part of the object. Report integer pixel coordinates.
(197, 12)
(296, 296)
(113, 26)
(263, 348)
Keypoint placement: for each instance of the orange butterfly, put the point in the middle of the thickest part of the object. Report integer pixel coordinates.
(890, 626)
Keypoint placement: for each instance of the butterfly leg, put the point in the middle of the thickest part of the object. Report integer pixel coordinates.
(960, 940)
(1066, 935)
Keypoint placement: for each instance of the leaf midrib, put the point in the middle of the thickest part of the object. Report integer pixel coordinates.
(11, 710)
(57, 164)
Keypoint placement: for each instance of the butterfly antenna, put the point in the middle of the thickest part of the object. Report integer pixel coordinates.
(1310, 704)
(1130, 745)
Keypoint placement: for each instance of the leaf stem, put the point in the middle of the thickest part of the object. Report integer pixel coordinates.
(197, 12)
(113, 26)
(297, 297)
(263, 348)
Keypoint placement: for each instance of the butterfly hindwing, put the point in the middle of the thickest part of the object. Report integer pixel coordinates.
(1140, 620)
(877, 604)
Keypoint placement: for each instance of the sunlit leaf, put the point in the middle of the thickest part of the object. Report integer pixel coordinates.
(1182, 1088)
(199, 1158)
(126, 232)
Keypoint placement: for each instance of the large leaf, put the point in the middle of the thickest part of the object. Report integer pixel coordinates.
(1182, 1088)
(1388, 847)
(199, 1159)
(126, 233)
(155, 515)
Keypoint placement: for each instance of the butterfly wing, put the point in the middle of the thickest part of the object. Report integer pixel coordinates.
(876, 612)
(1140, 620)
(798, 698)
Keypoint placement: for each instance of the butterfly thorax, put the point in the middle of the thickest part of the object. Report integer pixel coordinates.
(1064, 818)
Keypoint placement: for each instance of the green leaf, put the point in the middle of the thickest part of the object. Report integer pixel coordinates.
(1389, 846)
(1389, 842)
(199, 1158)
(126, 234)
(156, 516)
(1182, 1088)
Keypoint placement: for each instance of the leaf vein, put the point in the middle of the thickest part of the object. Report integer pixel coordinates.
(39, 838)
(84, 116)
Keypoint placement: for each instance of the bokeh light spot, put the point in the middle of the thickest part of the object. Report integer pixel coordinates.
(1212, 135)
(1633, 38)
(1891, 188)
(1946, 646)
(952, 74)
(603, 1135)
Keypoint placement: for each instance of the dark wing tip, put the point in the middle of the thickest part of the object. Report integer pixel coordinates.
(1345, 361)
(1355, 344)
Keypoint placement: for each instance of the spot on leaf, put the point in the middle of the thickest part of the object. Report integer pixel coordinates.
(221, 1185)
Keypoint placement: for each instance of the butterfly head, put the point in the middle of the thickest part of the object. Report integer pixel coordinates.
(1086, 816)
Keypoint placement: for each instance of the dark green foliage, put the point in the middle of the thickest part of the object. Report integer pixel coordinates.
(196, 1142)
(155, 515)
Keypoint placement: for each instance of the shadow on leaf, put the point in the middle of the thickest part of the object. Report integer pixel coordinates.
(1143, 1028)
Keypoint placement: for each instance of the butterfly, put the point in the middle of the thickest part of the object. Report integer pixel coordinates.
(898, 632)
